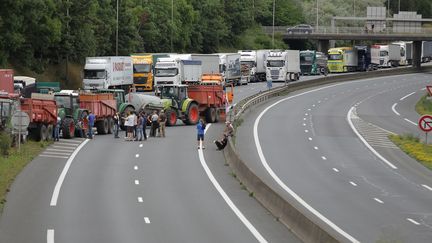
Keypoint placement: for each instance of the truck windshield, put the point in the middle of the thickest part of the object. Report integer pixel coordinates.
(249, 63)
(335, 57)
(383, 53)
(166, 72)
(275, 63)
(306, 58)
(141, 68)
(63, 101)
(94, 74)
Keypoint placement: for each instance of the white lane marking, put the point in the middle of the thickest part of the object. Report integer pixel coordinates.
(304, 124)
(59, 150)
(309, 109)
(135, 167)
(64, 172)
(141, 145)
(323, 158)
(336, 170)
(415, 124)
(279, 181)
(313, 105)
(378, 200)
(316, 148)
(364, 140)
(306, 131)
(64, 141)
(394, 109)
(230, 203)
(136, 182)
(353, 183)
(423, 89)
(53, 156)
(146, 220)
(427, 187)
(55, 153)
(50, 236)
(319, 101)
(413, 221)
(306, 114)
(140, 199)
(408, 95)
(304, 119)
(136, 155)
(310, 139)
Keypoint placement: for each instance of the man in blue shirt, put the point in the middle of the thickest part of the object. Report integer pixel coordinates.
(91, 119)
(200, 129)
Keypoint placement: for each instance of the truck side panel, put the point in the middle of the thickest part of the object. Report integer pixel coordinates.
(293, 59)
(6, 80)
(40, 111)
(102, 105)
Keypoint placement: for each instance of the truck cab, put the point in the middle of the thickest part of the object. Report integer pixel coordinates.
(283, 66)
(177, 71)
(142, 72)
(342, 59)
(9, 103)
(248, 61)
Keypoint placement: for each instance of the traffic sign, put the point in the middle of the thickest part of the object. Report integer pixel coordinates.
(425, 123)
(20, 121)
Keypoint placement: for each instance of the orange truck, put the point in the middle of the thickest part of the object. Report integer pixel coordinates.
(103, 106)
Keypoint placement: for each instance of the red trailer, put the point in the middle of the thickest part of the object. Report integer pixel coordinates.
(211, 100)
(103, 106)
(6, 80)
(43, 117)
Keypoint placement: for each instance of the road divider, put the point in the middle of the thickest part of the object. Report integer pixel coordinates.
(307, 226)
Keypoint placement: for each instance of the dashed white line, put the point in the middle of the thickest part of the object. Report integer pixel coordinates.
(408, 95)
(136, 182)
(378, 200)
(62, 176)
(136, 155)
(146, 220)
(309, 109)
(140, 199)
(427, 187)
(313, 105)
(353, 183)
(413, 221)
(310, 139)
(336, 170)
(304, 119)
(306, 114)
(304, 124)
(316, 148)
(423, 89)
(53, 156)
(306, 131)
(394, 109)
(50, 236)
(323, 158)
(60, 150)
(135, 167)
(141, 145)
(319, 101)
(415, 124)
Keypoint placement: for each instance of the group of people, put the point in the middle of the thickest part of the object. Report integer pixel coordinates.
(221, 143)
(136, 125)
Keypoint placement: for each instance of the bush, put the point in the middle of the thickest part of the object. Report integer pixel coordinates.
(5, 143)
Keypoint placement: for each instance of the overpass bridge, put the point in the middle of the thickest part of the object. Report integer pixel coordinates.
(326, 34)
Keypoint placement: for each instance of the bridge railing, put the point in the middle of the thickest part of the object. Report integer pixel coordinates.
(349, 30)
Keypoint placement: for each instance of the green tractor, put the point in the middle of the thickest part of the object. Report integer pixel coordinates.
(70, 113)
(178, 105)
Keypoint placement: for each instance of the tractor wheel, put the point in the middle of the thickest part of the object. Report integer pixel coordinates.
(110, 125)
(210, 115)
(192, 114)
(44, 132)
(68, 128)
(217, 115)
(171, 118)
(50, 132)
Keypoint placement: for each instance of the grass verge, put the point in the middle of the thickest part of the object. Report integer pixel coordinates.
(12, 165)
(412, 146)
(424, 106)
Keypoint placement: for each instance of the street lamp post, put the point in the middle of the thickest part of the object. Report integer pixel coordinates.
(172, 24)
(274, 5)
(117, 27)
(317, 10)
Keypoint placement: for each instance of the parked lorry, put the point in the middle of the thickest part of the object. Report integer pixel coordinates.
(313, 63)
(111, 72)
(406, 49)
(143, 70)
(260, 69)
(209, 63)
(6, 80)
(385, 55)
(363, 58)
(283, 66)
(249, 58)
(426, 55)
(229, 67)
(9, 101)
(177, 69)
(342, 59)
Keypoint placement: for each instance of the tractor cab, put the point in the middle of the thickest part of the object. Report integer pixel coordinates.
(67, 103)
(8, 105)
(175, 92)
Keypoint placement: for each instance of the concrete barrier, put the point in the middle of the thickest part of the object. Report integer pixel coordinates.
(303, 223)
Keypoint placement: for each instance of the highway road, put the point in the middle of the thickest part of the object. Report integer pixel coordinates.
(326, 148)
(160, 190)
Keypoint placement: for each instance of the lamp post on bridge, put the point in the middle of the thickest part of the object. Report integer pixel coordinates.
(273, 32)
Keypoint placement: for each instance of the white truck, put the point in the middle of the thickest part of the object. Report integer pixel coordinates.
(385, 55)
(406, 50)
(177, 69)
(283, 66)
(426, 55)
(248, 58)
(260, 69)
(209, 63)
(229, 67)
(113, 72)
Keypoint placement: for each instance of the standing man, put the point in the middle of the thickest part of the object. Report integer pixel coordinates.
(57, 129)
(91, 119)
(162, 121)
(200, 130)
(116, 119)
(145, 120)
(154, 124)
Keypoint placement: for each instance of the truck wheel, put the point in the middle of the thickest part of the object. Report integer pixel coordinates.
(43, 132)
(68, 128)
(171, 118)
(192, 115)
(50, 132)
(110, 125)
(210, 115)
(217, 115)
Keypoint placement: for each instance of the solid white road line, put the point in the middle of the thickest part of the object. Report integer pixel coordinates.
(64, 172)
(364, 140)
(394, 109)
(415, 124)
(408, 95)
(353, 183)
(279, 181)
(140, 199)
(413, 221)
(135, 167)
(53, 156)
(230, 203)
(50, 236)
(427, 187)
(376, 199)
(146, 220)
(136, 182)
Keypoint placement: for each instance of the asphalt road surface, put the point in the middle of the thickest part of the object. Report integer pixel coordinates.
(327, 148)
